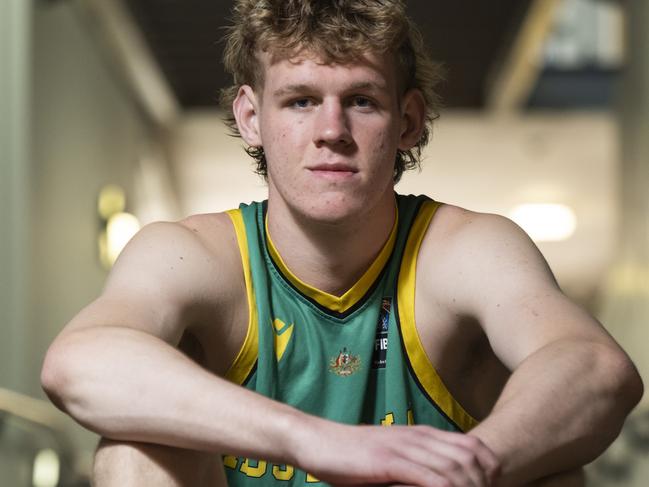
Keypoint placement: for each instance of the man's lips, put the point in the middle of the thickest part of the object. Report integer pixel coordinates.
(334, 172)
(334, 167)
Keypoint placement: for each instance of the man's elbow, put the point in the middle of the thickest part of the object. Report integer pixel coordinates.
(61, 375)
(53, 375)
(620, 381)
(630, 387)
(615, 388)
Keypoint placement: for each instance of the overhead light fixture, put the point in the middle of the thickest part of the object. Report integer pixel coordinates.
(112, 199)
(545, 222)
(117, 226)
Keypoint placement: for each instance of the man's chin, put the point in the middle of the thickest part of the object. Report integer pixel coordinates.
(336, 211)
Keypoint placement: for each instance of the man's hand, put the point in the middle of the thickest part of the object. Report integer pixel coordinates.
(397, 455)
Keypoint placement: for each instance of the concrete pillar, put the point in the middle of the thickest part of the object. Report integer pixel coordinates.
(15, 41)
(15, 87)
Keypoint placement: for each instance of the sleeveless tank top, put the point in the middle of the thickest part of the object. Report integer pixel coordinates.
(355, 358)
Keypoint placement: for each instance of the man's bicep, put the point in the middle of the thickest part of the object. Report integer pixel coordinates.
(519, 304)
(526, 323)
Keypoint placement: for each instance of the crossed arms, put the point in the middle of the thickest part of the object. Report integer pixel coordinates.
(116, 368)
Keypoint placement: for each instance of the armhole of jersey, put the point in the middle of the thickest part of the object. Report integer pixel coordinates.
(423, 369)
(247, 357)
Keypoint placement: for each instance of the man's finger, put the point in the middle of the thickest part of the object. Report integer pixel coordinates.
(446, 460)
(488, 460)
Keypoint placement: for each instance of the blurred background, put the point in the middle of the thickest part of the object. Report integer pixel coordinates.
(109, 120)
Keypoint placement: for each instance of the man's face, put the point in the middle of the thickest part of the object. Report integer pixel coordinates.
(330, 133)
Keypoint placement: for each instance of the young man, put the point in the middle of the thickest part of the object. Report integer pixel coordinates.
(337, 303)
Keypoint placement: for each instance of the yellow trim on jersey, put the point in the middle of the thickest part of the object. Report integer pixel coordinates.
(247, 356)
(342, 303)
(421, 365)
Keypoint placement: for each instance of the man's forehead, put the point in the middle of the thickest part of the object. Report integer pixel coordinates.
(379, 68)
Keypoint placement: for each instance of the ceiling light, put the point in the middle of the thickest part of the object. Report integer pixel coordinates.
(545, 222)
(117, 227)
(111, 200)
(119, 230)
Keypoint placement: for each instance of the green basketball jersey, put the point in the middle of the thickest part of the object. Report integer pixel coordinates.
(355, 358)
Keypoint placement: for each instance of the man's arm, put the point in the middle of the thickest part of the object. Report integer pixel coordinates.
(571, 387)
(115, 368)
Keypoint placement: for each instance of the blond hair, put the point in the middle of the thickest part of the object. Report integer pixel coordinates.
(337, 31)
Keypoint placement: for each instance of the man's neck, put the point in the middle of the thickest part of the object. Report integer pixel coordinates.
(331, 257)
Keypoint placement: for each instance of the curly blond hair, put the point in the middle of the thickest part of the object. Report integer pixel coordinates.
(337, 31)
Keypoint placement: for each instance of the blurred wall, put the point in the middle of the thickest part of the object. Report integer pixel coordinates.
(86, 133)
(625, 307)
(627, 299)
(68, 127)
(15, 38)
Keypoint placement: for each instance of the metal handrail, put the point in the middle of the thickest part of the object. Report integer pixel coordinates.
(33, 410)
(38, 414)
(35, 418)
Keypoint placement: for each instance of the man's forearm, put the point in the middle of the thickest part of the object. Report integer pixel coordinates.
(127, 385)
(560, 409)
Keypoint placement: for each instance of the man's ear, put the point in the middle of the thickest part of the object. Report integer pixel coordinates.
(413, 118)
(246, 113)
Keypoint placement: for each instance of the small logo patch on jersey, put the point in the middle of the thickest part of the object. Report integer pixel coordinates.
(381, 341)
(282, 336)
(345, 363)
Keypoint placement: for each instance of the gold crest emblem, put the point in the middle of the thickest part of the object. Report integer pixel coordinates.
(345, 363)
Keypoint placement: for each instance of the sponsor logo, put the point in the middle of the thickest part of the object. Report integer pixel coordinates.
(381, 340)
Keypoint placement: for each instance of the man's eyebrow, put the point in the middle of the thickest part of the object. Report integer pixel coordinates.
(367, 85)
(305, 88)
(291, 89)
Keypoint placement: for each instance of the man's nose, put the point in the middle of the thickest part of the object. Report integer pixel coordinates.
(332, 126)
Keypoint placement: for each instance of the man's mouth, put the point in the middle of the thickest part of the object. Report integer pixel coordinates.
(334, 170)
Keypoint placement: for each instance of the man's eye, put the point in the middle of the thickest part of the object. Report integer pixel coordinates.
(363, 102)
(301, 103)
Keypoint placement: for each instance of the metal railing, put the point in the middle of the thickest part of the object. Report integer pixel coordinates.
(35, 448)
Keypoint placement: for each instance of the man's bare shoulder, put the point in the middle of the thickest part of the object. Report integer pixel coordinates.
(179, 264)
(214, 232)
(193, 243)
(480, 254)
(455, 229)
(170, 276)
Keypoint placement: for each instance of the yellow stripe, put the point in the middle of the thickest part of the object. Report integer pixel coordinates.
(423, 368)
(342, 303)
(247, 356)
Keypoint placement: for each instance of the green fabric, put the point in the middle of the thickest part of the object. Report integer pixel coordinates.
(312, 374)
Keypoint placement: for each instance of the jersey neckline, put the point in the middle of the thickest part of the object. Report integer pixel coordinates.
(338, 304)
